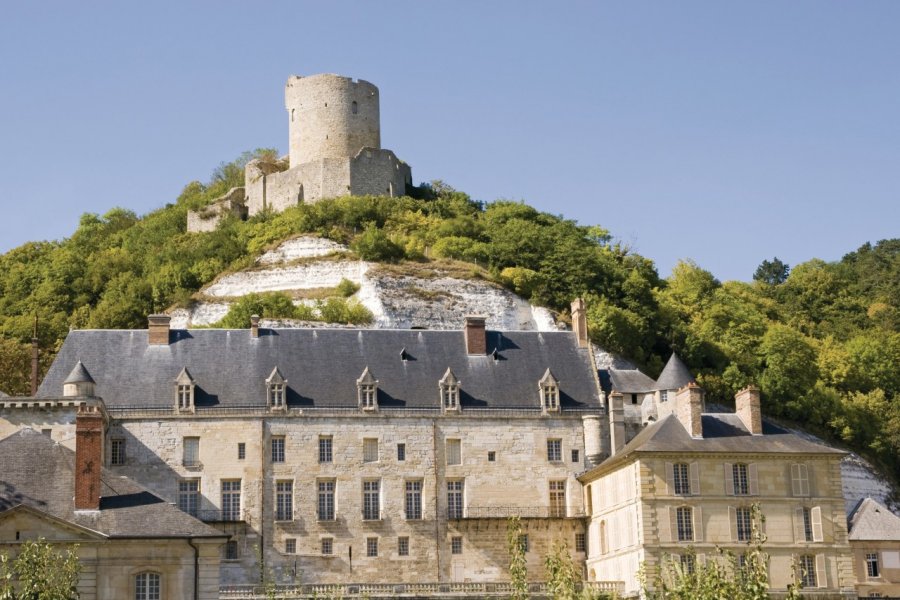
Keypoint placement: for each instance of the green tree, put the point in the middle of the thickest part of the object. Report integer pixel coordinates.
(562, 579)
(374, 244)
(40, 572)
(518, 567)
(772, 272)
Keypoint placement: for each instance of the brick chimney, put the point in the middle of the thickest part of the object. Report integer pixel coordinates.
(689, 407)
(254, 326)
(616, 422)
(747, 407)
(476, 336)
(88, 456)
(579, 323)
(158, 330)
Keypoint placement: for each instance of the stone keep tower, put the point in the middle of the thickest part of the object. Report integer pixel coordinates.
(331, 117)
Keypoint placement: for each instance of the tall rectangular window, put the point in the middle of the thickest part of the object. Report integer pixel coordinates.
(557, 499)
(372, 500)
(455, 499)
(401, 452)
(242, 450)
(190, 452)
(741, 481)
(370, 450)
(743, 526)
(554, 450)
(684, 521)
(414, 499)
(800, 479)
(278, 449)
(688, 563)
(872, 565)
(682, 479)
(808, 571)
(189, 496)
(372, 546)
(454, 453)
(284, 500)
(325, 448)
(184, 396)
(117, 451)
(580, 542)
(325, 508)
(403, 546)
(231, 500)
(575, 456)
(807, 525)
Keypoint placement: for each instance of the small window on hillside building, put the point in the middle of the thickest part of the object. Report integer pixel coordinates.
(370, 449)
(403, 546)
(326, 443)
(807, 564)
(449, 388)
(554, 450)
(278, 449)
(117, 451)
(184, 391)
(327, 546)
(191, 452)
(549, 391)
(454, 452)
(401, 452)
(580, 542)
(492, 456)
(242, 450)
(276, 390)
(290, 546)
(663, 395)
(146, 586)
(354, 107)
(367, 390)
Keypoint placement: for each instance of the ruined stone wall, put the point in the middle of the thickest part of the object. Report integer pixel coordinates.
(379, 173)
(209, 217)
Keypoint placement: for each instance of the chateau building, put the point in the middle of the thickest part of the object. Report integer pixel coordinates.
(875, 542)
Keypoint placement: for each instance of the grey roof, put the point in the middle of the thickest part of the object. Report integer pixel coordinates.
(628, 381)
(39, 473)
(675, 375)
(873, 521)
(79, 374)
(449, 378)
(322, 365)
(3, 394)
(184, 377)
(722, 433)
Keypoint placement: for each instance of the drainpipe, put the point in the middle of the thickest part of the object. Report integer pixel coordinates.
(196, 569)
(437, 495)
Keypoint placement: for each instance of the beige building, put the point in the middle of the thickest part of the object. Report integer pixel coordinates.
(689, 480)
(875, 541)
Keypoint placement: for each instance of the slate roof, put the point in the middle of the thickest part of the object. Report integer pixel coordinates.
(722, 433)
(628, 381)
(39, 473)
(873, 521)
(675, 375)
(322, 366)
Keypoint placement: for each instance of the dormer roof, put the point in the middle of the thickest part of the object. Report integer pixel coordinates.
(873, 521)
(184, 377)
(548, 379)
(275, 377)
(79, 374)
(675, 375)
(449, 378)
(366, 378)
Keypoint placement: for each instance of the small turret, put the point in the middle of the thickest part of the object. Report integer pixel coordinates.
(79, 383)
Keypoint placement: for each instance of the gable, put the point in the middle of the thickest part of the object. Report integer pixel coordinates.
(31, 524)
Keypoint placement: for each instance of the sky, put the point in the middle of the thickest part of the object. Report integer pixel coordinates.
(722, 132)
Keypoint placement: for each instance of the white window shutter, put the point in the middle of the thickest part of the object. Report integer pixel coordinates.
(673, 523)
(752, 476)
(729, 479)
(665, 525)
(804, 480)
(670, 479)
(815, 515)
(821, 573)
(799, 530)
(810, 473)
(795, 479)
(695, 479)
(732, 523)
(698, 524)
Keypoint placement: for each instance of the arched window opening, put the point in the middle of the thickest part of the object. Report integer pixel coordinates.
(146, 586)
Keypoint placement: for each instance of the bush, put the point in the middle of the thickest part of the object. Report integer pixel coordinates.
(374, 244)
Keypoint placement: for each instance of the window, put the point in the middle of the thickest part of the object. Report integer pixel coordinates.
(325, 508)
(454, 452)
(325, 448)
(663, 395)
(191, 452)
(681, 479)
(687, 563)
(580, 542)
(604, 539)
(549, 388)
(449, 386)
(807, 525)
(740, 479)
(117, 451)
(278, 449)
(742, 560)
(743, 525)
(290, 546)
(807, 564)
(189, 496)
(413, 499)
(327, 546)
(354, 107)
(146, 586)
(403, 546)
(242, 450)
(523, 542)
(684, 521)
(231, 550)
(576, 456)
(284, 500)
(184, 394)
(370, 450)
(372, 546)
(557, 499)
(367, 390)
(456, 545)
(871, 565)
(634, 399)
(47, 432)
(401, 452)
(800, 479)
(371, 500)
(554, 450)
(455, 499)
(276, 395)
(231, 500)
(492, 456)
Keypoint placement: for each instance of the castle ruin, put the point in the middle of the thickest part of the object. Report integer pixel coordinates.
(334, 150)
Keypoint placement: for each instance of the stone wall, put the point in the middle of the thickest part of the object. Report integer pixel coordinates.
(208, 217)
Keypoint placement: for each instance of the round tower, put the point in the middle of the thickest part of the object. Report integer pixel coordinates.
(330, 117)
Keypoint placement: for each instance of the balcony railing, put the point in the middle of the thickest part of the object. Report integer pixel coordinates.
(524, 512)
(220, 516)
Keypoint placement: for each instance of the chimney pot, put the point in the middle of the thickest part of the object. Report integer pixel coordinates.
(476, 336)
(254, 326)
(689, 409)
(89, 425)
(579, 323)
(616, 422)
(158, 330)
(747, 406)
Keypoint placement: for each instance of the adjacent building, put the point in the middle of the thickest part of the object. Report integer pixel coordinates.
(875, 542)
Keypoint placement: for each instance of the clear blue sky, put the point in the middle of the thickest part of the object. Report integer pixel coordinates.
(719, 131)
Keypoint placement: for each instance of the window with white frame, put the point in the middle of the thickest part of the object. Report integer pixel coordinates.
(688, 563)
(372, 499)
(284, 500)
(325, 504)
(872, 565)
(414, 499)
(449, 388)
(549, 392)
(807, 565)
(367, 390)
(147, 586)
(684, 523)
(740, 478)
(554, 450)
(681, 479)
(454, 452)
(190, 452)
(800, 479)
(185, 397)
(743, 523)
(663, 395)
(276, 390)
(231, 500)
(455, 499)
(189, 496)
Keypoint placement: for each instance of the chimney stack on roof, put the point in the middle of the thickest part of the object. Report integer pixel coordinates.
(747, 407)
(689, 408)
(579, 323)
(476, 336)
(254, 326)
(593, 450)
(158, 330)
(89, 423)
(616, 422)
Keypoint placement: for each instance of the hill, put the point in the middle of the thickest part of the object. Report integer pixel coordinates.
(823, 341)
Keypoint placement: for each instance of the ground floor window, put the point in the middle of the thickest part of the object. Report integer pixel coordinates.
(146, 586)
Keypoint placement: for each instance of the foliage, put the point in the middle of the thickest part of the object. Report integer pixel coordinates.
(39, 572)
(518, 567)
(720, 576)
(347, 288)
(278, 305)
(562, 579)
(771, 272)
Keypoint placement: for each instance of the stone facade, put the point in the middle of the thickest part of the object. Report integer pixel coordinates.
(208, 218)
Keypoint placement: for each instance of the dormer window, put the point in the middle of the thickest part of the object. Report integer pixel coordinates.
(449, 386)
(549, 390)
(184, 391)
(367, 390)
(276, 390)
